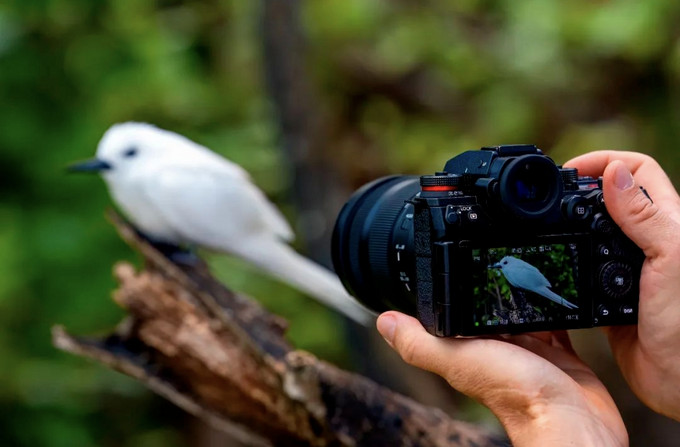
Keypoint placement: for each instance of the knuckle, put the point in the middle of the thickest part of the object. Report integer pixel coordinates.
(647, 160)
(657, 230)
(636, 161)
(641, 209)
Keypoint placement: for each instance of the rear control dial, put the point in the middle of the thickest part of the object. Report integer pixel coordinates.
(616, 279)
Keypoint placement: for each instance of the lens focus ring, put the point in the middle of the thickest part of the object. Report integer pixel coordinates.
(380, 234)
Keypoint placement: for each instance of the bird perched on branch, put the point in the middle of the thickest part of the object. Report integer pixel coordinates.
(178, 192)
(525, 276)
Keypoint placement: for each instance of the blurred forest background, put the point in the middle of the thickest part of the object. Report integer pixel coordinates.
(313, 98)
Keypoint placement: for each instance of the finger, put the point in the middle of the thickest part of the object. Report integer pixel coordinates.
(643, 221)
(563, 341)
(546, 337)
(554, 350)
(561, 354)
(623, 340)
(551, 339)
(646, 171)
(594, 163)
(556, 339)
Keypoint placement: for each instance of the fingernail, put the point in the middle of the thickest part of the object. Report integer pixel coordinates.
(623, 179)
(386, 325)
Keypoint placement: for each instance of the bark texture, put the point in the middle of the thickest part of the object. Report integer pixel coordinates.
(222, 357)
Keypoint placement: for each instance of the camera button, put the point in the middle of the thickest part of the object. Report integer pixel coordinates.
(577, 208)
(602, 311)
(602, 224)
(452, 216)
(474, 215)
(604, 250)
(627, 309)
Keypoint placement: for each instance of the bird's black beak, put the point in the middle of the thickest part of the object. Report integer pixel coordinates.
(94, 165)
(495, 266)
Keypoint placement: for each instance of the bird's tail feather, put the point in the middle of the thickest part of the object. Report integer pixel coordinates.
(286, 264)
(558, 299)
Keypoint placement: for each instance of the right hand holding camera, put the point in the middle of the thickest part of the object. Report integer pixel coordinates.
(649, 353)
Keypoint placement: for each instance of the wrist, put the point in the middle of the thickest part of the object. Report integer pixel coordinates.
(553, 425)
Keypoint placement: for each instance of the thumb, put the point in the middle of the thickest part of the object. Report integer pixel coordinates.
(647, 225)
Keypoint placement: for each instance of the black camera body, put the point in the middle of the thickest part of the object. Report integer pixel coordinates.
(501, 241)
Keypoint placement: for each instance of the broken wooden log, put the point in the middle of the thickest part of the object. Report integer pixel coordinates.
(222, 357)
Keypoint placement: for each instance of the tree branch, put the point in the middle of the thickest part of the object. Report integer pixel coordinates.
(223, 358)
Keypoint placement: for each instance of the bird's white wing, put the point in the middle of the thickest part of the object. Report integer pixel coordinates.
(208, 207)
(231, 215)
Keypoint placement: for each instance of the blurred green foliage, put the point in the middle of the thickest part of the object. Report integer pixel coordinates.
(572, 76)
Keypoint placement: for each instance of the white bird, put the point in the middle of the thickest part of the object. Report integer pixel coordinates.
(525, 276)
(178, 192)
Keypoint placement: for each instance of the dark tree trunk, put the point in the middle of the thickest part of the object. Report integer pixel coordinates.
(318, 190)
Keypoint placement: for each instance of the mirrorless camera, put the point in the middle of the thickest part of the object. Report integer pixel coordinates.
(501, 241)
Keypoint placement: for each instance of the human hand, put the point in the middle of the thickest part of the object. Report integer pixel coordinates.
(542, 393)
(649, 353)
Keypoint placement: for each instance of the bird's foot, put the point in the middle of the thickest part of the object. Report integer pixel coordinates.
(186, 258)
(174, 252)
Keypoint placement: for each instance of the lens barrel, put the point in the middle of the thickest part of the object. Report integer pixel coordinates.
(372, 245)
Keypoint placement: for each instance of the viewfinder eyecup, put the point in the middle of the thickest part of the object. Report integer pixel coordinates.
(530, 186)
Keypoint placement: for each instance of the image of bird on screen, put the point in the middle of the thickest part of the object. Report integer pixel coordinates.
(522, 275)
(526, 285)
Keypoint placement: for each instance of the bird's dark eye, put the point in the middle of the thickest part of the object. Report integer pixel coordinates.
(130, 152)
(505, 262)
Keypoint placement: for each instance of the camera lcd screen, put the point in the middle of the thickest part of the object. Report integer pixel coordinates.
(525, 287)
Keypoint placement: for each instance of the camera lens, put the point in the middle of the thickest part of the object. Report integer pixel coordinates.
(372, 244)
(530, 186)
